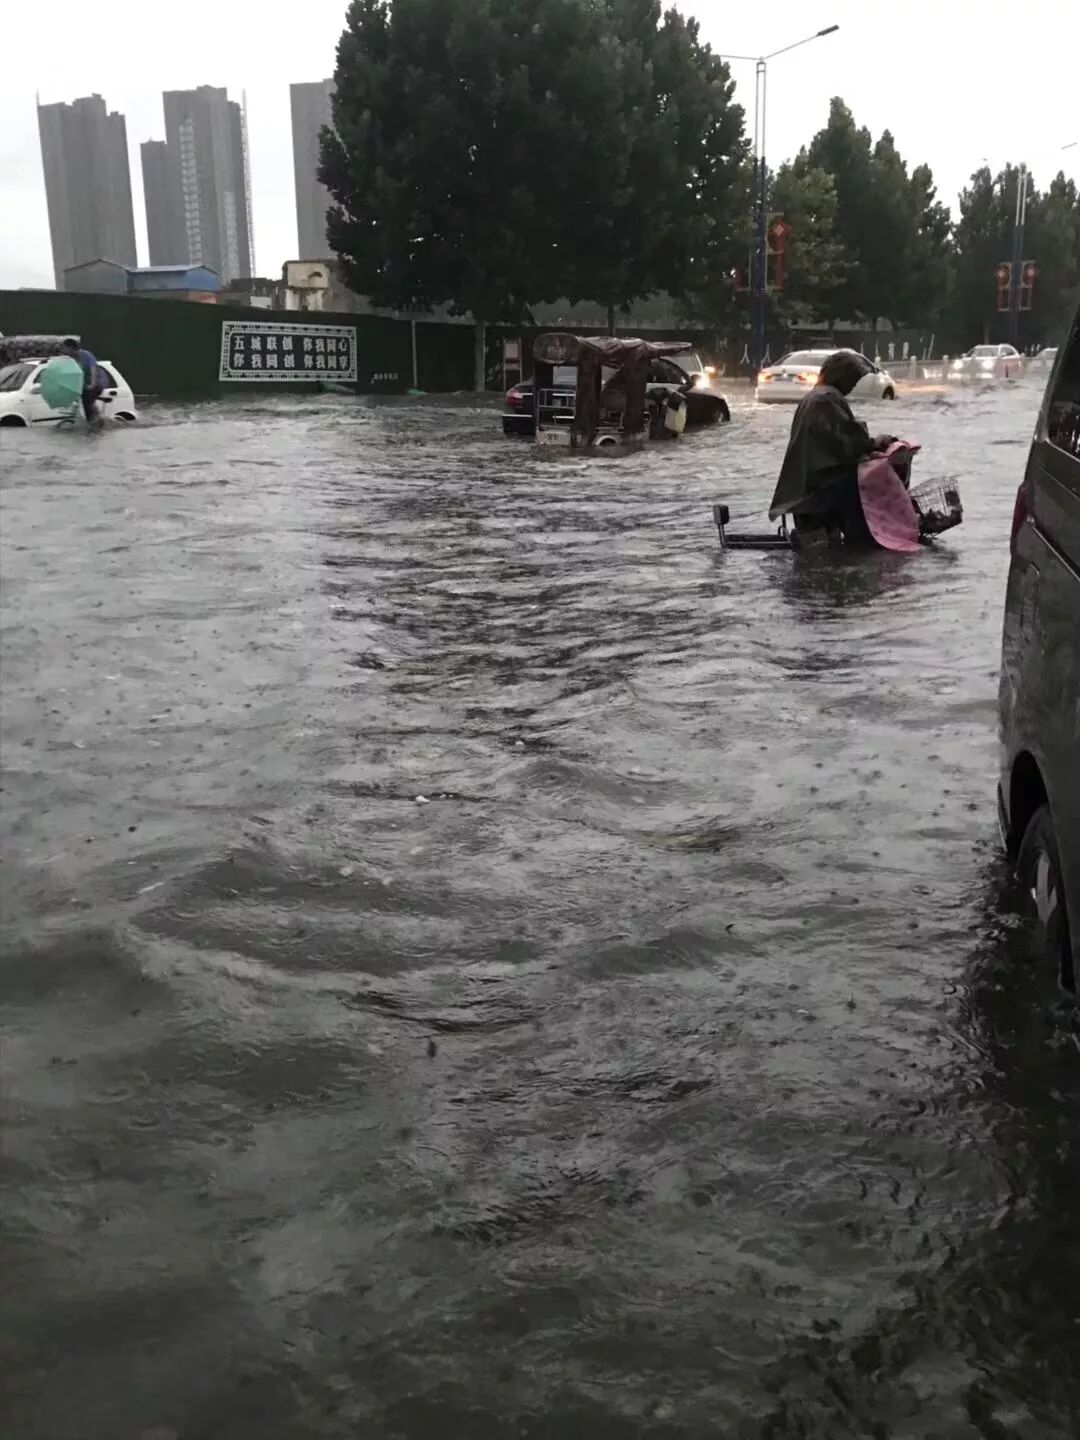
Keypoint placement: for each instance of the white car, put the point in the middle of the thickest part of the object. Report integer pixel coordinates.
(21, 402)
(795, 375)
(988, 362)
(1044, 360)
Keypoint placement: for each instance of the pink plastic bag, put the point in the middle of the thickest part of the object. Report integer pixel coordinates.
(890, 516)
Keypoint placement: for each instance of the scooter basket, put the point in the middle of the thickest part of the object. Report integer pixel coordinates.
(939, 506)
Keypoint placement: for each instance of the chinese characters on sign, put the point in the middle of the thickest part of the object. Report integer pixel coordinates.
(253, 350)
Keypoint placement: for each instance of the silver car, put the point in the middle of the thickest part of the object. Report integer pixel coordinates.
(987, 362)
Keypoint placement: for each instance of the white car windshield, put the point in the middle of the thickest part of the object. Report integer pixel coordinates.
(14, 377)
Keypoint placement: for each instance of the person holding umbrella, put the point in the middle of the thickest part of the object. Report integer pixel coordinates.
(92, 379)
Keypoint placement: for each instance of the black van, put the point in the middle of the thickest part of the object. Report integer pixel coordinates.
(1039, 793)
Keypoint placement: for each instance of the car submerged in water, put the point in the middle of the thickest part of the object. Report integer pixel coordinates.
(987, 362)
(705, 405)
(22, 359)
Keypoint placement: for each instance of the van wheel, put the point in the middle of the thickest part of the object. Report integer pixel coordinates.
(1038, 867)
(889, 394)
(12, 420)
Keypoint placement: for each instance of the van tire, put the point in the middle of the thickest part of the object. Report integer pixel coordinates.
(889, 394)
(1038, 868)
(12, 420)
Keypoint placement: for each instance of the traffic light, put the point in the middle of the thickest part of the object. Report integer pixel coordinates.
(1003, 276)
(778, 232)
(1028, 271)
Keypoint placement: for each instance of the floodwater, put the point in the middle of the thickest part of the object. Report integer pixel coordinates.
(478, 962)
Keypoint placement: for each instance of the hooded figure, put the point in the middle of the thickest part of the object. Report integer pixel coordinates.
(819, 479)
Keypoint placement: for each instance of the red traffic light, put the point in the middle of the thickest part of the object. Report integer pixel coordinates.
(1003, 276)
(1028, 272)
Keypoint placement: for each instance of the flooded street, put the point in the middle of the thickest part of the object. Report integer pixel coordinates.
(481, 962)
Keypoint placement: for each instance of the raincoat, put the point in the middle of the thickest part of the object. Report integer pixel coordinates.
(820, 469)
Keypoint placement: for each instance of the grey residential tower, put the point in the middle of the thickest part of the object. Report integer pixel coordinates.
(87, 184)
(196, 185)
(310, 112)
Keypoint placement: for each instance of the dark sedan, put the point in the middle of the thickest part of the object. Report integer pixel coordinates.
(704, 403)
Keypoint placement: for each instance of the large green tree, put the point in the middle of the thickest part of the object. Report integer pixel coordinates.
(815, 262)
(845, 152)
(891, 228)
(984, 240)
(491, 154)
(1053, 243)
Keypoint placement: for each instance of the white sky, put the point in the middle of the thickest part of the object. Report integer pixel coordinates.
(957, 82)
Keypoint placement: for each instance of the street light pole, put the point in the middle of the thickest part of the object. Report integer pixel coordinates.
(759, 279)
(1017, 252)
(1019, 221)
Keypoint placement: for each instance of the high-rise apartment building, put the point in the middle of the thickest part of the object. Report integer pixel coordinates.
(164, 208)
(196, 184)
(310, 112)
(87, 184)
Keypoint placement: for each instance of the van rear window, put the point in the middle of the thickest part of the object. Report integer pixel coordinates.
(1063, 412)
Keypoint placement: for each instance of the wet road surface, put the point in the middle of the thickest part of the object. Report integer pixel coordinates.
(478, 962)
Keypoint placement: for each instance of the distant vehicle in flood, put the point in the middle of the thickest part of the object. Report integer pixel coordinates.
(21, 402)
(794, 375)
(987, 362)
(22, 359)
(705, 405)
(613, 404)
(1039, 790)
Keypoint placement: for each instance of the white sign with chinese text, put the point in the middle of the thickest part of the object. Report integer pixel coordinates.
(256, 350)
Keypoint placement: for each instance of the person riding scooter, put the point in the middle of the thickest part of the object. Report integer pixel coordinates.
(819, 477)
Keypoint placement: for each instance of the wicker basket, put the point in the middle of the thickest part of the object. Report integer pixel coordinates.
(939, 506)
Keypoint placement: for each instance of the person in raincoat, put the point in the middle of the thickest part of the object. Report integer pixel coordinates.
(819, 478)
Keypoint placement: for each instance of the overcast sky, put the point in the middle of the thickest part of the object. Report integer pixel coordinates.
(957, 82)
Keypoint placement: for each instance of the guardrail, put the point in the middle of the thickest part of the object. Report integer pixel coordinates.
(960, 371)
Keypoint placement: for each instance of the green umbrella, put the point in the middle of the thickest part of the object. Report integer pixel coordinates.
(61, 382)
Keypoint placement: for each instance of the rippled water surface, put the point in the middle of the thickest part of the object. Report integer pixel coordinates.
(480, 963)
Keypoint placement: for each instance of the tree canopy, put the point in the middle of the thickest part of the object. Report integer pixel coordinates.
(491, 155)
(983, 239)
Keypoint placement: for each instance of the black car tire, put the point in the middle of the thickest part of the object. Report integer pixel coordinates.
(706, 411)
(1038, 867)
(888, 394)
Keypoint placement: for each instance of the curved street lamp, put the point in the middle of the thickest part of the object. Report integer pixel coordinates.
(759, 278)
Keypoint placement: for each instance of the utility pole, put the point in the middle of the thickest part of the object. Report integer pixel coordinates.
(1016, 275)
(759, 276)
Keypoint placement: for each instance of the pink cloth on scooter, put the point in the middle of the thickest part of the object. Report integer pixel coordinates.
(890, 516)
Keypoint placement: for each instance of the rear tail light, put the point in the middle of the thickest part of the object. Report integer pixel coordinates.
(1020, 514)
(809, 377)
(515, 397)
(764, 378)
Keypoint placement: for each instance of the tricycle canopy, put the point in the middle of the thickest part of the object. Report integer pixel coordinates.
(629, 357)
